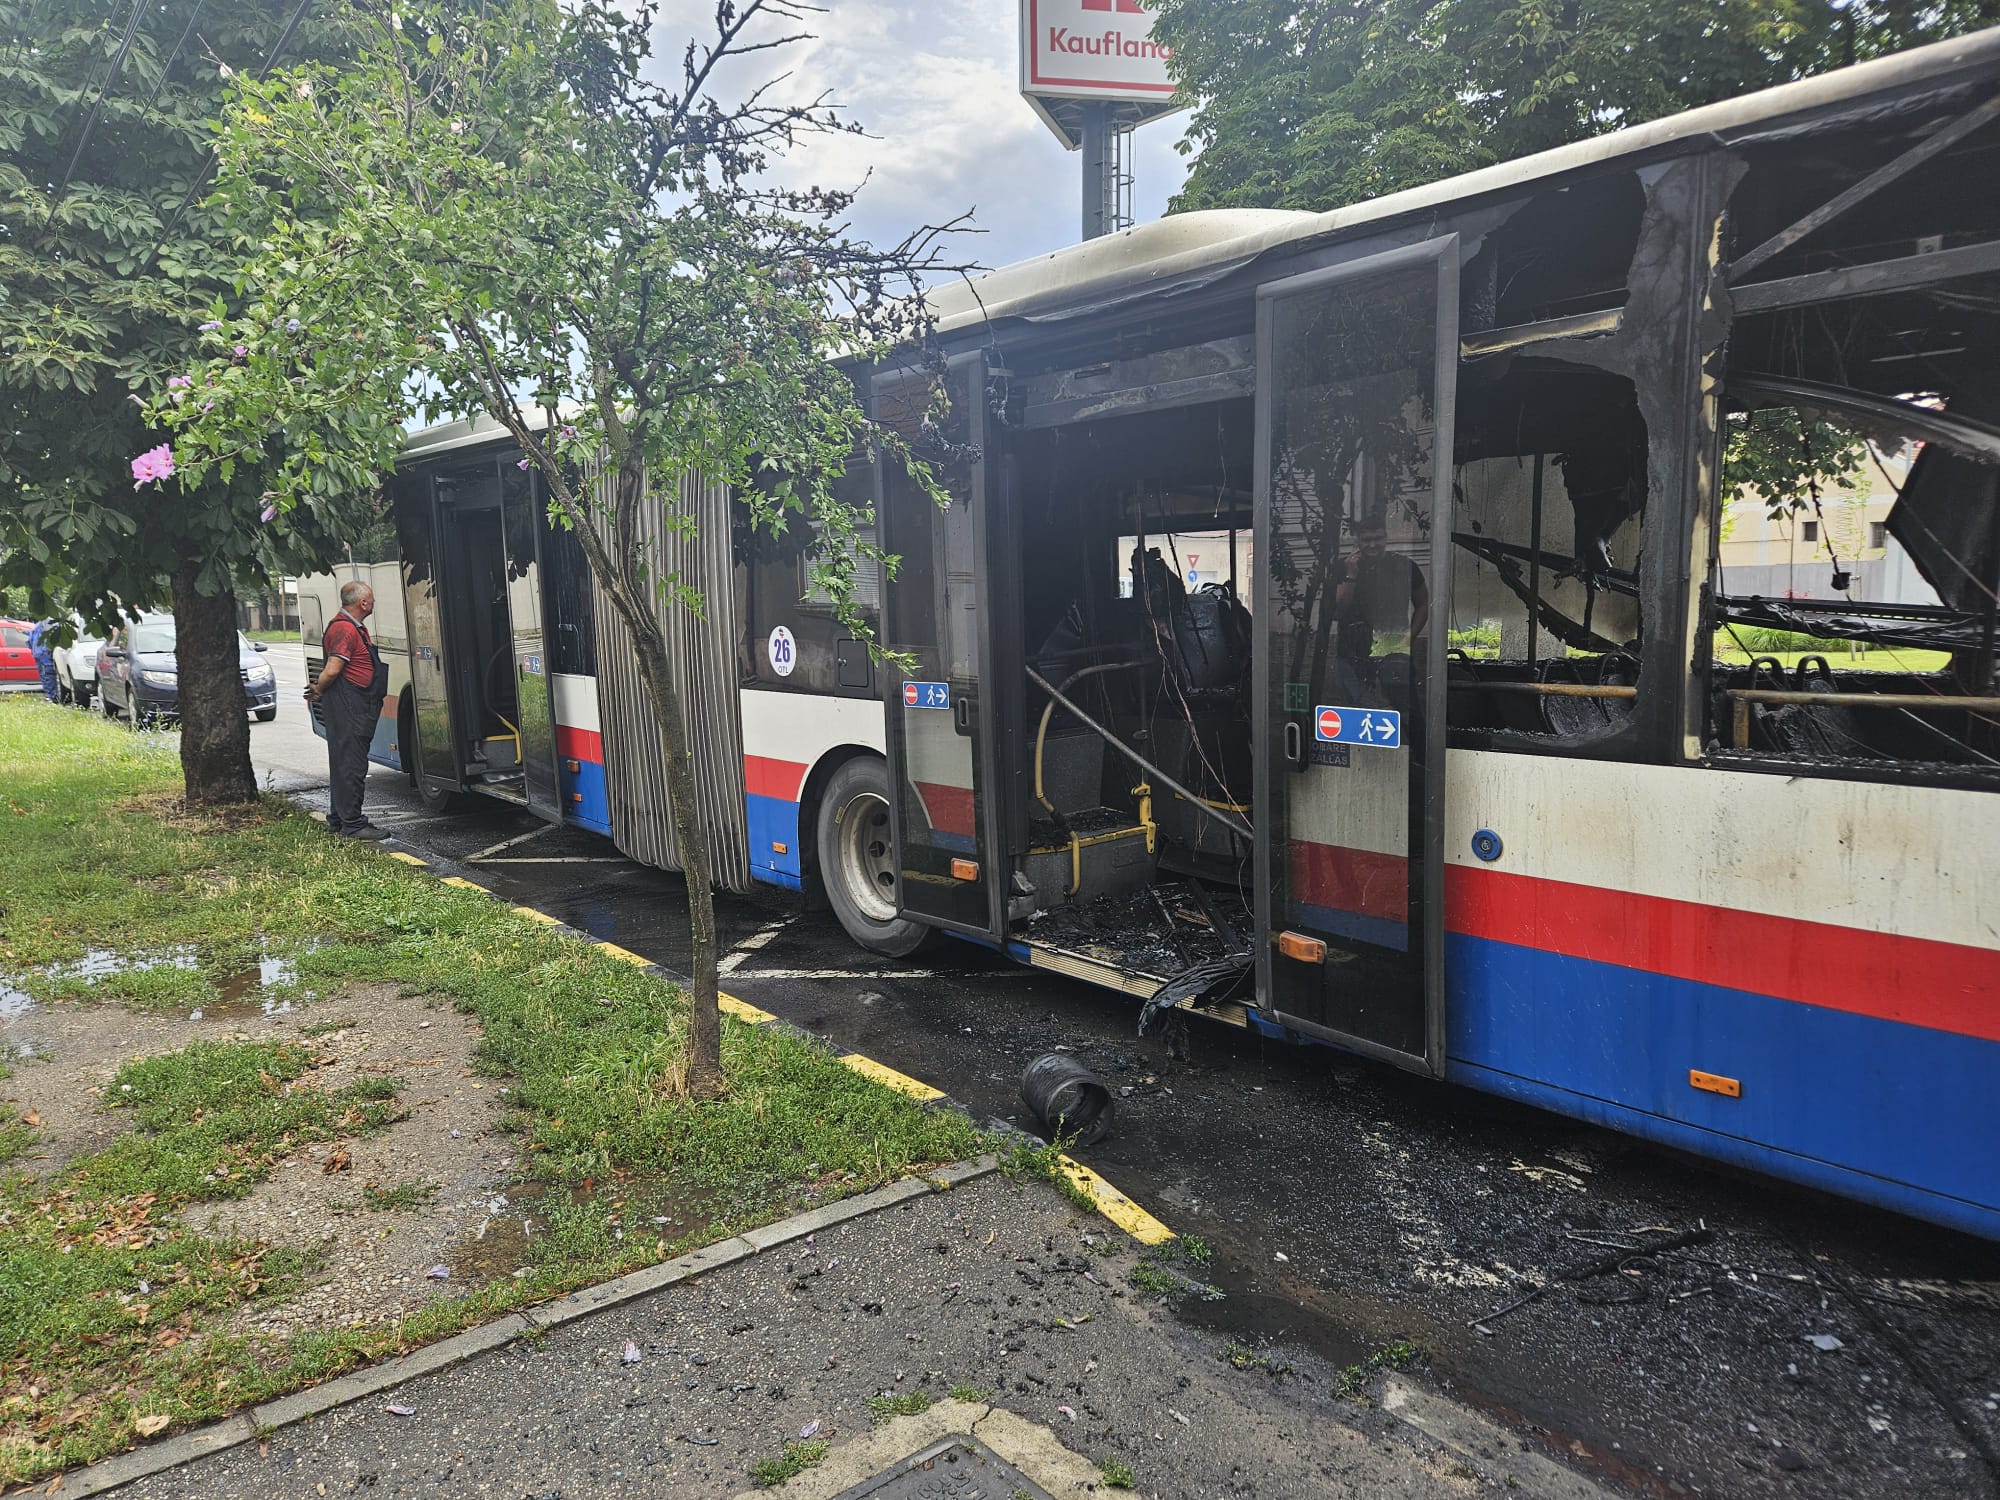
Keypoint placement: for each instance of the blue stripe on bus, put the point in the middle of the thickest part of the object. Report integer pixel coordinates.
(1902, 1116)
(773, 820)
(594, 811)
(1381, 931)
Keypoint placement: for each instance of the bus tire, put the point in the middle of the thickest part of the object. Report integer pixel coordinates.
(440, 799)
(857, 861)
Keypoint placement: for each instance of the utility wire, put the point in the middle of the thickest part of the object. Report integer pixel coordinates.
(90, 121)
(208, 166)
(167, 67)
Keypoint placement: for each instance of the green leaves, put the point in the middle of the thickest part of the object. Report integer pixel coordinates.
(1313, 104)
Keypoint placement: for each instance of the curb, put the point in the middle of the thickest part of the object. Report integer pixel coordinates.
(344, 1390)
(1119, 1208)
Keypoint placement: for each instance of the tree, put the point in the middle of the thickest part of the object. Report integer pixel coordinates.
(507, 212)
(107, 258)
(1314, 104)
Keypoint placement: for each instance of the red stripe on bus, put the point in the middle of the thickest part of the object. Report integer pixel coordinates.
(765, 777)
(1917, 981)
(579, 744)
(1353, 880)
(950, 808)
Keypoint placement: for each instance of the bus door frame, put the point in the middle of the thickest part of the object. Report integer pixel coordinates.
(540, 783)
(981, 530)
(1425, 949)
(426, 597)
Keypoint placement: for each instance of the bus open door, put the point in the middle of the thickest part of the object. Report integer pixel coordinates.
(938, 611)
(471, 536)
(1355, 383)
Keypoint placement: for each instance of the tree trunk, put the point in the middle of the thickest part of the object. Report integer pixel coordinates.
(705, 1079)
(215, 729)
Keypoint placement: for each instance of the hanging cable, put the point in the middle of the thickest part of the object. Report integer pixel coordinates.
(167, 67)
(97, 105)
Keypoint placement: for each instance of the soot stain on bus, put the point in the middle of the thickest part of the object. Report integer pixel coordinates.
(1333, 633)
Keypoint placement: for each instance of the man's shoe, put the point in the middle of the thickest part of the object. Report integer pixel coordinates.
(369, 832)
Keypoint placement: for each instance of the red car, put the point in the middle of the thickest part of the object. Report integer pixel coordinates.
(17, 662)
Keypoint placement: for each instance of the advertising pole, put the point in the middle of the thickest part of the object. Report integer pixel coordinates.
(1098, 218)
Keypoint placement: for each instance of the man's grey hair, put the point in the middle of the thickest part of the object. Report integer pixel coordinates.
(352, 592)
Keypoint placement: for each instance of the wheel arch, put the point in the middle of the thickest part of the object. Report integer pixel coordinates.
(810, 794)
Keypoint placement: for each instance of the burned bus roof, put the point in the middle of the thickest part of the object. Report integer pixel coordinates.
(1194, 249)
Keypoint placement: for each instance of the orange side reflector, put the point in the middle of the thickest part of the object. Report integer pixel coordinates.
(574, 766)
(1715, 1083)
(576, 796)
(781, 848)
(965, 869)
(1307, 950)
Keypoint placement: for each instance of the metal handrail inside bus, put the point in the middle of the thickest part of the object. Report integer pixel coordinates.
(1744, 697)
(1228, 820)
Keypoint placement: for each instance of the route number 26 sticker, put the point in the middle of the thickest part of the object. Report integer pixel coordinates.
(784, 651)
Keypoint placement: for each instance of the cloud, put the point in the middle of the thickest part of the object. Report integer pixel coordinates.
(935, 83)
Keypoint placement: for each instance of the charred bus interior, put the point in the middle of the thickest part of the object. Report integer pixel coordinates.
(1135, 724)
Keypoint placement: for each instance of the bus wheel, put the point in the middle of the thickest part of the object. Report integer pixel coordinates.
(440, 799)
(857, 859)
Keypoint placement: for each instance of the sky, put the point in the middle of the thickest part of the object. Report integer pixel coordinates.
(936, 83)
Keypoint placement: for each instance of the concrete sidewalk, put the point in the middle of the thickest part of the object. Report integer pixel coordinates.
(998, 1289)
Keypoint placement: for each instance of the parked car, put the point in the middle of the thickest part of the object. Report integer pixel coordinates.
(17, 662)
(138, 675)
(76, 668)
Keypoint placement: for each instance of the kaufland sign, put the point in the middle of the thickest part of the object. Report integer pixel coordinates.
(1092, 49)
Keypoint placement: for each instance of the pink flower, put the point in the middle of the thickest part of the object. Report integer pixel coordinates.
(268, 513)
(522, 464)
(178, 382)
(241, 351)
(154, 464)
(566, 431)
(210, 326)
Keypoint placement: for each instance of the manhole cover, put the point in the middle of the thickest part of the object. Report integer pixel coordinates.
(955, 1468)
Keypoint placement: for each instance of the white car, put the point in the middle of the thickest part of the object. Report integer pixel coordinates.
(76, 668)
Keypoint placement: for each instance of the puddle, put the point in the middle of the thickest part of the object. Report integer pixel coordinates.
(235, 992)
(240, 993)
(98, 963)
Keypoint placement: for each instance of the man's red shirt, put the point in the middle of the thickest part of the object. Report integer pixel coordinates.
(351, 642)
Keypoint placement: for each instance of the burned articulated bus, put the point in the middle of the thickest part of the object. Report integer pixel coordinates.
(1341, 630)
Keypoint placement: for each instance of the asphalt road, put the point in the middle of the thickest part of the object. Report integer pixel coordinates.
(1350, 1205)
(990, 1286)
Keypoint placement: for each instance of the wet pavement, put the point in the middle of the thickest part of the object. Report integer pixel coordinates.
(996, 1292)
(1794, 1344)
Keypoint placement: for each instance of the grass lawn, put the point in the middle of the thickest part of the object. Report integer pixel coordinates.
(114, 1311)
(275, 637)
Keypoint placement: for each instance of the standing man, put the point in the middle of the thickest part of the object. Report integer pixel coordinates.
(349, 691)
(45, 657)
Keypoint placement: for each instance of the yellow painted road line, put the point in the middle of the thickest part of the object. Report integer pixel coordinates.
(743, 1010)
(535, 916)
(625, 953)
(409, 859)
(1114, 1205)
(902, 1083)
(465, 885)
